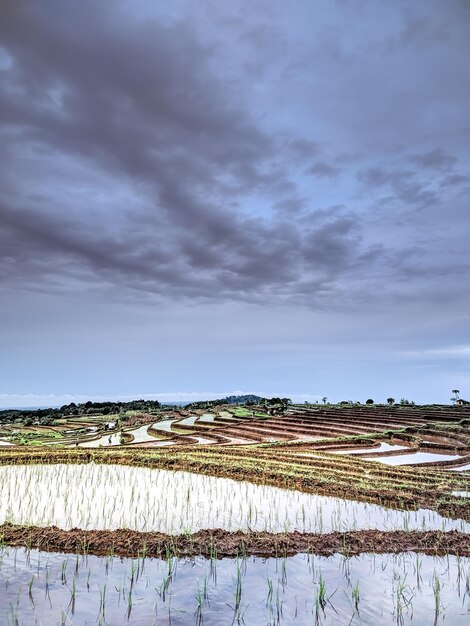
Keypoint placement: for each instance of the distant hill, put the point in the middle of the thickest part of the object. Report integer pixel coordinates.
(242, 399)
(246, 399)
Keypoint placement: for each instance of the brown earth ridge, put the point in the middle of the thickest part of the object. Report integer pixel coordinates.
(220, 543)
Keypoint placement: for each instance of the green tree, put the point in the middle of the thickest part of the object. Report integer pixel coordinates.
(406, 402)
(391, 401)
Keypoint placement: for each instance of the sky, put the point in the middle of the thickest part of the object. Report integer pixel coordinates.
(199, 198)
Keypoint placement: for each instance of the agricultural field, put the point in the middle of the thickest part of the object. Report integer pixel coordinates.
(297, 514)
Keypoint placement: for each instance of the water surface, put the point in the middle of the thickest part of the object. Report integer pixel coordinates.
(415, 457)
(102, 497)
(53, 589)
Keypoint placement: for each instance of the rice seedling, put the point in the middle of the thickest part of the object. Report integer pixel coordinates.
(436, 589)
(143, 499)
(356, 596)
(30, 589)
(256, 590)
(403, 597)
(102, 608)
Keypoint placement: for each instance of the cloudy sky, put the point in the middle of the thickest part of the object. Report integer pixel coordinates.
(200, 197)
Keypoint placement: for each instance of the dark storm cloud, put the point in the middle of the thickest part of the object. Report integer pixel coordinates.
(454, 180)
(320, 169)
(140, 101)
(402, 186)
(436, 159)
(141, 151)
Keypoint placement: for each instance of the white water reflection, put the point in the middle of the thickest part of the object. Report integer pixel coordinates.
(207, 417)
(461, 494)
(384, 447)
(415, 457)
(462, 468)
(203, 440)
(390, 589)
(164, 425)
(188, 421)
(113, 439)
(142, 435)
(92, 496)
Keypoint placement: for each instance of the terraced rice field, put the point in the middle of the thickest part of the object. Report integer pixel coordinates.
(216, 518)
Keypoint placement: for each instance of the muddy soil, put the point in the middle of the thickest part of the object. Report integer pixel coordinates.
(220, 543)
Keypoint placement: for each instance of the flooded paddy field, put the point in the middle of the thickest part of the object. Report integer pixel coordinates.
(238, 517)
(415, 458)
(382, 447)
(107, 497)
(407, 588)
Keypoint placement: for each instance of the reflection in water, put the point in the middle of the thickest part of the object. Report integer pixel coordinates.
(207, 417)
(462, 468)
(51, 588)
(106, 440)
(416, 457)
(92, 496)
(384, 447)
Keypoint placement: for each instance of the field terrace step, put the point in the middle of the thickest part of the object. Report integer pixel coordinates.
(254, 433)
(359, 418)
(349, 472)
(224, 420)
(444, 414)
(243, 432)
(278, 426)
(196, 430)
(364, 426)
(376, 425)
(336, 429)
(242, 417)
(350, 467)
(223, 433)
(448, 432)
(327, 430)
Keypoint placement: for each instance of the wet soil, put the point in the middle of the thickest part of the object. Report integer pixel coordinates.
(221, 543)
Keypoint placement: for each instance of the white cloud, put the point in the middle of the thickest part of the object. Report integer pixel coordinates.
(446, 351)
(29, 400)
